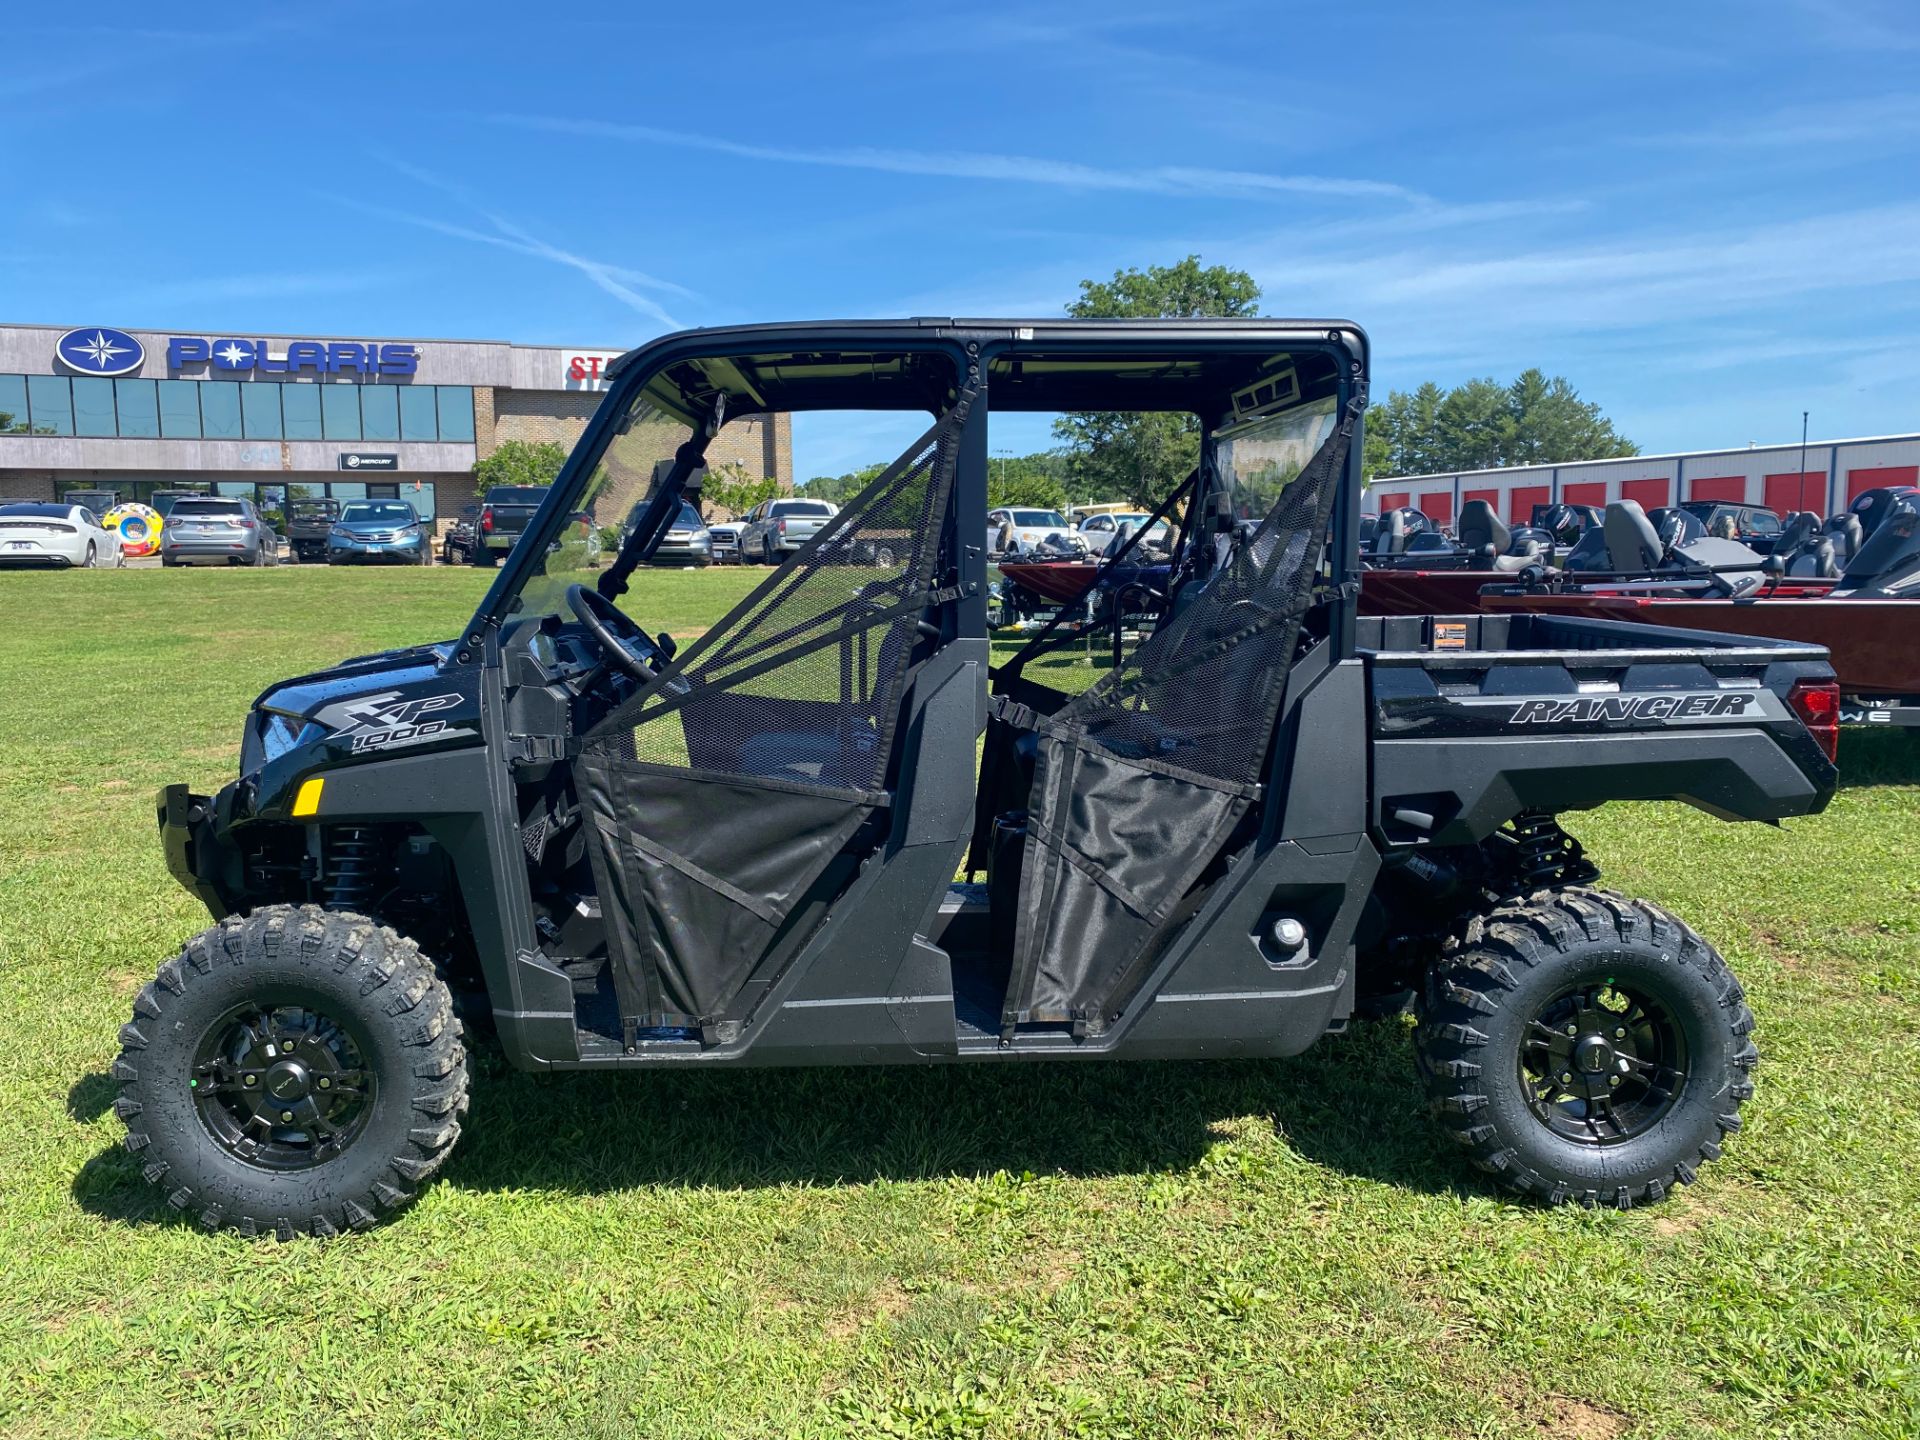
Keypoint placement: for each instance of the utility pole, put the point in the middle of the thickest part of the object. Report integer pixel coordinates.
(1800, 479)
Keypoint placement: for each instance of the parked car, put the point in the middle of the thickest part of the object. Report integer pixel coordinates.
(96, 502)
(55, 535)
(309, 521)
(217, 529)
(1103, 532)
(779, 527)
(504, 513)
(457, 545)
(1014, 530)
(687, 541)
(384, 530)
(724, 539)
(1731, 521)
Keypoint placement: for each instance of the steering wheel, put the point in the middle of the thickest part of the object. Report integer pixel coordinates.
(623, 644)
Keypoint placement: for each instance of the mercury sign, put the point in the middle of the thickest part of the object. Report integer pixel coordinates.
(329, 357)
(588, 370)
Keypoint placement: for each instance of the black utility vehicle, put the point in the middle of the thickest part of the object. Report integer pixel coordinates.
(309, 521)
(1270, 816)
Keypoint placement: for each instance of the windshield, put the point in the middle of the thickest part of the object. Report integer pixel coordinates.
(392, 512)
(1040, 517)
(646, 439)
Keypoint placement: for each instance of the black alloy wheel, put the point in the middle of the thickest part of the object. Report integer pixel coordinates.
(281, 1086)
(1603, 1062)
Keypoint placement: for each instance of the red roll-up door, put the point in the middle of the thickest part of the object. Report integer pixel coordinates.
(1393, 500)
(1585, 492)
(1492, 497)
(1437, 507)
(1718, 487)
(1861, 481)
(1521, 500)
(1651, 494)
(1797, 491)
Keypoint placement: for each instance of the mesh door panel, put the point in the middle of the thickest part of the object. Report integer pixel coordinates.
(1140, 781)
(801, 683)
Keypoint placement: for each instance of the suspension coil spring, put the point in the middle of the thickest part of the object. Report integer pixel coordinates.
(350, 876)
(1543, 853)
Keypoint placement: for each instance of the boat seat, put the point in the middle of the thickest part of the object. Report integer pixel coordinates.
(1845, 533)
(1482, 532)
(1632, 542)
(1390, 536)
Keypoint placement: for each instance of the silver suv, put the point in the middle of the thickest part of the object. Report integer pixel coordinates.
(774, 528)
(217, 530)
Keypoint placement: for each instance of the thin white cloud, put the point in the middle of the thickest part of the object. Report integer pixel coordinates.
(283, 285)
(975, 165)
(624, 283)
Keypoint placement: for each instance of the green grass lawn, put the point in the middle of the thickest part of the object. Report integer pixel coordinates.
(1277, 1248)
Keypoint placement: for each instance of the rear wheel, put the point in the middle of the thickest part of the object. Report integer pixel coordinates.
(92, 557)
(293, 1071)
(1586, 1047)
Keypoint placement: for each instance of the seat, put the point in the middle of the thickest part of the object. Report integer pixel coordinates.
(1482, 532)
(1390, 535)
(1845, 533)
(1632, 542)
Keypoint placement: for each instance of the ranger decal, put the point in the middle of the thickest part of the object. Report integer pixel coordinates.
(1713, 706)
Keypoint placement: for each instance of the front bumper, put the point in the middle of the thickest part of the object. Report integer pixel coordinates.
(409, 550)
(188, 824)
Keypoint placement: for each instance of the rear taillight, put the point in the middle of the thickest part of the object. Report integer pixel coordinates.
(244, 524)
(781, 524)
(1817, 703)
(486, 522)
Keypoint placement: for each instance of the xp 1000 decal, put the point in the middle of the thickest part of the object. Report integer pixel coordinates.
(390, 720)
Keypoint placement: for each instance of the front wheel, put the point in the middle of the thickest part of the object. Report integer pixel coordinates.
(1582, 1046)
(292, 1071)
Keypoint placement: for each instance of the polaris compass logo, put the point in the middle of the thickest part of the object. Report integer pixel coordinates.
(100, 351)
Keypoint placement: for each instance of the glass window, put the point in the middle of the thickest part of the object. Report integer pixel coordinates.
(220, 409)
(260, 411)
(379, 413)
(348, 490)
(417, 414)
(13, 405)
(302, 406)
(340, 411)
(243, 489)
(420, 495)
(456, 412)
(139, 410)
(92, 406)
(180, 409)
(50, 404)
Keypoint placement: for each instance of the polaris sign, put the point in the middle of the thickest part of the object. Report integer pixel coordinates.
(99, 351)
(328, 357)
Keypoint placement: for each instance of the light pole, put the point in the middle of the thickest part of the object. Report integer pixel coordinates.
(1801, 488)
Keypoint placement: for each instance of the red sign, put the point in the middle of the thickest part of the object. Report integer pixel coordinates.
(588, 370)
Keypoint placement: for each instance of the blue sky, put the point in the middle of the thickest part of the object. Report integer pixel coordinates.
(1707, 216)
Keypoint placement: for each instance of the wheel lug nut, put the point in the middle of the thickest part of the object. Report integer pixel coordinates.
(1566, 1077)
(1573, 1030)
(1620, 1032)
(1613, 1079)
(287, 1115)
(325, 1083)
(253, 1080)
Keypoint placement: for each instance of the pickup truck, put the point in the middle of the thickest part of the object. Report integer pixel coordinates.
(776, 528)
(504, 513)
(1269, 818)
(309, 522)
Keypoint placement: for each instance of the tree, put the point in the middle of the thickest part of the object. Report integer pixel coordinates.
(735, 489)
(1143, 455)
(519, 462)
(1483, 424)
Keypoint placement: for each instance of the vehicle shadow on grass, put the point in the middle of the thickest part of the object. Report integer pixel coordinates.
(1879, 757)
(1351, 1105)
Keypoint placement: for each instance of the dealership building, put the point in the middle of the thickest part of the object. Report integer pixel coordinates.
(1823, 476)
(265, 416)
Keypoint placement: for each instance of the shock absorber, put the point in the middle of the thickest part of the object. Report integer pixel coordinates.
(1543, 854)
(350, 875)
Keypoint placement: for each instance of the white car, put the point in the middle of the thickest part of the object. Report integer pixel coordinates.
(1015, 530)
(54, 535)
(1103, 532)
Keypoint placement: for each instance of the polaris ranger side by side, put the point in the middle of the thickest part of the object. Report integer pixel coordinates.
(1268, 816)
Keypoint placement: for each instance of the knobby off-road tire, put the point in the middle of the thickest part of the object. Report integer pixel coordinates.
(328, 1009)
(1531, 993)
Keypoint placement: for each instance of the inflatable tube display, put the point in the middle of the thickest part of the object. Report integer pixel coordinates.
(139, 528)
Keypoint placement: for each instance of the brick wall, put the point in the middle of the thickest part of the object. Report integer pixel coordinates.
(26, 485)
(537, 416)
